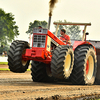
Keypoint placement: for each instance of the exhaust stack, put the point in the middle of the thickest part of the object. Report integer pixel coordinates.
(49, 21)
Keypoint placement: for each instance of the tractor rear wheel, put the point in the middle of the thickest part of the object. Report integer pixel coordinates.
(41, 72)
(64, 62)
(85, 66)
(11, 54)
(19, 64)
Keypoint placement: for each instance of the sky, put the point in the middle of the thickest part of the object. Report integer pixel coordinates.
(82, 11)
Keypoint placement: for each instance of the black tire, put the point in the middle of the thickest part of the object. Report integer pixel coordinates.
(11, 54)
(85, 66)
(40, 72)
(54, 60)
(19, 64)
(62, 62)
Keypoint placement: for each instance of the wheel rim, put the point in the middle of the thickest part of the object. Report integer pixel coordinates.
(67, 63)
(89, 67)
(24, 62)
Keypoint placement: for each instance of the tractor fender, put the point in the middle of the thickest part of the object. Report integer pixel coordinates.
(79, 43)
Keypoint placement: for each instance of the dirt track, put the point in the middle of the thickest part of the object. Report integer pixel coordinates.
(19, 86)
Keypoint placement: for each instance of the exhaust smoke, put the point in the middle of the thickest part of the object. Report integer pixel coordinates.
(51, 7)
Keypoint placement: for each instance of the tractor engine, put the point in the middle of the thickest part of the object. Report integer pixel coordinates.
(41, 46)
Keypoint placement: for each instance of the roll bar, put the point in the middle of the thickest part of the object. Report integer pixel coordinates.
(71, 23)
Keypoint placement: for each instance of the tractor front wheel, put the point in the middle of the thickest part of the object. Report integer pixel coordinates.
(64, 58)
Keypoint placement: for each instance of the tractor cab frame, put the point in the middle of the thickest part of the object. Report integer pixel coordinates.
(69, 23)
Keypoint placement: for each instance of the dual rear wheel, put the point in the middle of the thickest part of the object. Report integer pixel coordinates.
(79, 67)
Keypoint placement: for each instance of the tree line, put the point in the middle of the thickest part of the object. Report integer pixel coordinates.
(8, 29)
(73, 30)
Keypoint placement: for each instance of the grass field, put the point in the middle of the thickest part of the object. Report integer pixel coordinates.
(3, 63)
(6, 69)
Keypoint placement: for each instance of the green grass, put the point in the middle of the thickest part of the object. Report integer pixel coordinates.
(3, 63)
(6, 63)
(6, 69)
(28, 70)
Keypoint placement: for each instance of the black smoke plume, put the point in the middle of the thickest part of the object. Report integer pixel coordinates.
(51, 6)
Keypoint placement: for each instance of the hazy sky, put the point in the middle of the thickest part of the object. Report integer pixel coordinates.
(26, 11)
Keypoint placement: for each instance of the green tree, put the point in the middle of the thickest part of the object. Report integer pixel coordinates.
(72, 30)
(36, 23)
(8, 29)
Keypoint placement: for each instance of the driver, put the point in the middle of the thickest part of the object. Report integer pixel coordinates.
(64, 37)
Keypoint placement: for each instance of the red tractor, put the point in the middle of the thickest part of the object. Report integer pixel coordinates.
(52, 59)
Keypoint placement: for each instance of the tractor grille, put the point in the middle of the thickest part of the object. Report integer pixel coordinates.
(39, 41)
